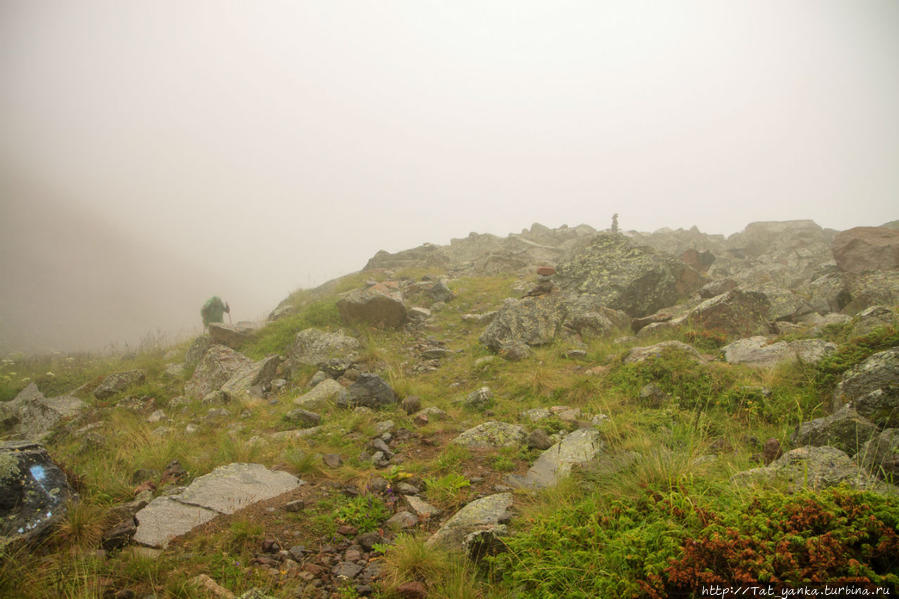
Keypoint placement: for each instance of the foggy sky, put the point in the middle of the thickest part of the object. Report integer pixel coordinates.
(256, 147)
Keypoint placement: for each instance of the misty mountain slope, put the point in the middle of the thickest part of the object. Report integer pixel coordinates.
(443, 413)
(71, 281)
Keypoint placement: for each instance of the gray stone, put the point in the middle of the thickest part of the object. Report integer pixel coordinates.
(491, 434)
(481, 514)
(215, 368)
(528, 321)
(881, 454)
(538, 439)
(420, 508)
(401, 520)
(881, 406)
(327, 393)
(736, 312)
(233, 335)
(628, 277)
(32, 416)
(879, 287)
(783, 303)
(379, 305)
(174, 371)
(814, 467)
(440, 292)
(223, 491)
(757, 351)
(845, 430)
(586, 316)
(332, 460)
(485, 318)
(257, 373)
(872, 318)
(536, 414)
(641, 354)
(653, 396)
(878, 371)
(481, 399)
(196, 350)
(313, 347)
(371, 391)
(303, 418)
(555, 463)
(346, 570)
(34, 492)
(118, 382)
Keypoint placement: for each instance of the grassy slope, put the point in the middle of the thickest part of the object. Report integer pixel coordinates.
(715, 410)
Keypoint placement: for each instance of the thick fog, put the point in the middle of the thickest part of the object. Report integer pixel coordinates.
(156, 153)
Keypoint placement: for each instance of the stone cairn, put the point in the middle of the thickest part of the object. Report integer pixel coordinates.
(544, 282)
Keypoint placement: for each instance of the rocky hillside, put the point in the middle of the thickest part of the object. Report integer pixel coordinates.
(559, 413)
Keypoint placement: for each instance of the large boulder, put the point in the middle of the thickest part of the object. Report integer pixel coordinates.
(31, 416)
(757, 351)
(371, 391)
(866, 248)
(783, 303)
(880, 370)
(485, 514)
(216, 368)
(256, 375)
(815, 467)
(491, 434)
(880, 287)
(586, 316)
(378, 305)
(424, 256)
(846, 430)
(826, 293)
(736, 312)
(313, 347)
(556, 463)
(632, 278)
(880, 406)
(118, 382)
(872, 318)
(34, 492)
(223, 491)
(196, 350)
(530, 321)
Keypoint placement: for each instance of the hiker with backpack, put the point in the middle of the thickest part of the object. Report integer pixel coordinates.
(213, 310)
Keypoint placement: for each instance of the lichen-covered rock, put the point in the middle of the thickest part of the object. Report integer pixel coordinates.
(632, 278)
(756, 351)
(327, 393)
(846, 430)
(878, 371)
(879, 287)
(641, 354)
(814, 467)
(34, 492)
(481, 514)
(31, 416)
(196, 350)
(491, 434)
(216, 367)
(313, 347)
(783, 303)
(555, 463)
(826, 293)
(258, 373)
(880, 406)
(736, 312)
(371, 391)
(862, 249)
(872, 318)
(881, 454)
(587, 317)
(479, 399)
(118, 382)
(530, 321)
(378, 305)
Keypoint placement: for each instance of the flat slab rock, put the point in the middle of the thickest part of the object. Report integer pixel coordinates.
(223, 491)
(555, 463)
(756, 351)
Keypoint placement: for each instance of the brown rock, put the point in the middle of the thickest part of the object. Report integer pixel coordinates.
(412, 590)
(546, 271)
(862, 249)
(772, 450)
